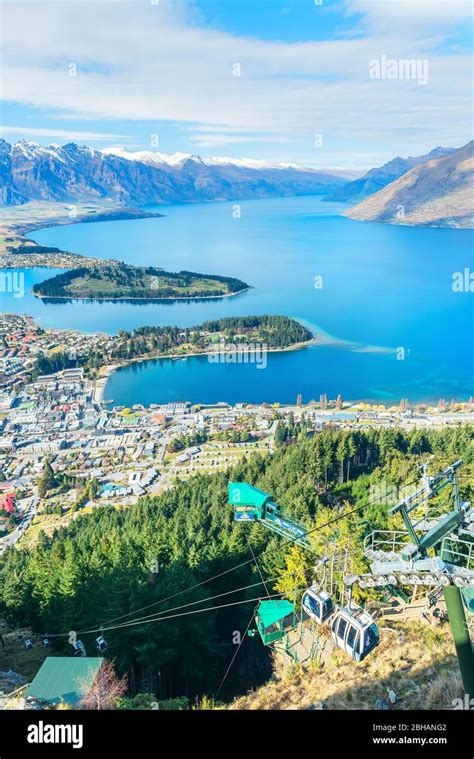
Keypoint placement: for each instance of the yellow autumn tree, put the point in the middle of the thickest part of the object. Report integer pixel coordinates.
(342, 542)
(293, 579)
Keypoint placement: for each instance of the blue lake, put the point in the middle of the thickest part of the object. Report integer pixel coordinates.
(382, 285)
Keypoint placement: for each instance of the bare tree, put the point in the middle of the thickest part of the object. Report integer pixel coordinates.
(105, 689)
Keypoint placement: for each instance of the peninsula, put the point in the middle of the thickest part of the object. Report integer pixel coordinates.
(99, 354)
(19, 251)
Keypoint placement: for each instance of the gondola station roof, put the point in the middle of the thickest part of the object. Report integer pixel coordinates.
(64, 679)
(242, 492)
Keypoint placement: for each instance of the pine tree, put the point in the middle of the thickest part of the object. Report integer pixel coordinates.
(280, 433)
(47, 480)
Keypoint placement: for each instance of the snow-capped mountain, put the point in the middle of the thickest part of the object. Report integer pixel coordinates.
(147, 156)
(173, 159)
(30, 171)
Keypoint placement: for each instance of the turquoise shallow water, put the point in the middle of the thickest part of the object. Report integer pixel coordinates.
(383, 286)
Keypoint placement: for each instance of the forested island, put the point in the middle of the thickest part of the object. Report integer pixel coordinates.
(127, 282)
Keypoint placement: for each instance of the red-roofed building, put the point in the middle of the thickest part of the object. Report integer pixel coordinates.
(7, 503)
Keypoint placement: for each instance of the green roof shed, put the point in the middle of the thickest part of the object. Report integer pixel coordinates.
(64, 678)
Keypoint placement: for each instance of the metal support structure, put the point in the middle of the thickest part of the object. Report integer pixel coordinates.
(432, 485)
(441, 553)
(250, 503)
(461, 636)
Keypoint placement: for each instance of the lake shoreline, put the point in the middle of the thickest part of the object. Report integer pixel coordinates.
(110, 369)
(318, 339)
(131, 299)
(111, 214)
(17, 232)
(281, 245)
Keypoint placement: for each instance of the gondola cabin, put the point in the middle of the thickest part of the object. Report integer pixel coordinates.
(318, 606)
(274, 620)
(79, 648)
(355, 632)
(248, 502)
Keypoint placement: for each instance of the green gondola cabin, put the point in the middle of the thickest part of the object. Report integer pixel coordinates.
(274, 620)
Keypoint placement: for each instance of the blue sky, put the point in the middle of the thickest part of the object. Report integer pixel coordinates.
(288, 20)
(282, 80)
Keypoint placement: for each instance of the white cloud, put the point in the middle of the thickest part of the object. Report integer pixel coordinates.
(150, 63)
(427, 14)
(63, 133)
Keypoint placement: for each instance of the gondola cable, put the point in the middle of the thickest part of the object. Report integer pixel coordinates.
(203, 582)
(236, 652)
(158, 614)
(221, 574)
(257, 564)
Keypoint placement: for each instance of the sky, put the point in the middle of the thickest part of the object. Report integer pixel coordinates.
(321, 83)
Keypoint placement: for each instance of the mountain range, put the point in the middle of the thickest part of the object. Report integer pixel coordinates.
(438, 192)
(378, 178)
(432, 189)
(29, 171)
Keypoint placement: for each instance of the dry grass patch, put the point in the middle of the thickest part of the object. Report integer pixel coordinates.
(415, 661)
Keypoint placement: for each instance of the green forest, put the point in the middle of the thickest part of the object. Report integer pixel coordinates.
(109, 563)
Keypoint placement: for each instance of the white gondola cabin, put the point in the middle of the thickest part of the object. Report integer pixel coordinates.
(317, 605)
(355, 632)
(79, 648)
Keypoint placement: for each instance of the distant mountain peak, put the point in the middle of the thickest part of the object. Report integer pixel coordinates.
(148, 156)
(435, 192)
(174, 159)
(377, 178)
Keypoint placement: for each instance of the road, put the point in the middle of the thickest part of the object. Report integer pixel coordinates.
(27, 516)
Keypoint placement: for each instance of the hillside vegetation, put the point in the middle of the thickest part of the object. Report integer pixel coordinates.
(109, 563)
